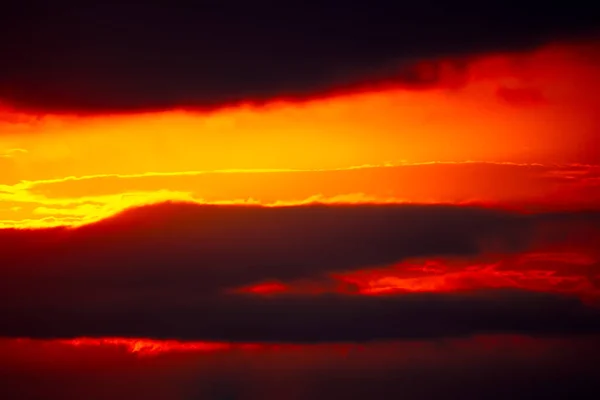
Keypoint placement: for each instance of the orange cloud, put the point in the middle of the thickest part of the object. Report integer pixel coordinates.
(486, 138)
(469, 122)
(89, 198)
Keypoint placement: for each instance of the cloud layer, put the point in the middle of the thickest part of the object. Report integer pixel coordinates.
(525, 187)
(496, 368)
(105, 57)
(166, 271)
(378, 200)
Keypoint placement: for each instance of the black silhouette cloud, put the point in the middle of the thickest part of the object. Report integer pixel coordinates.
(163, 271)
(102, 57)
(309, 319)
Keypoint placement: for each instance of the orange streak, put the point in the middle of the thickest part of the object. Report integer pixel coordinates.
(73, 201)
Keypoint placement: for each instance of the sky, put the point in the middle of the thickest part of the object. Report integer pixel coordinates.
(251, 200)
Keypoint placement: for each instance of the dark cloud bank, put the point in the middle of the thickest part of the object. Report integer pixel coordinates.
(98, 57)
(493, 368)
(162, 271)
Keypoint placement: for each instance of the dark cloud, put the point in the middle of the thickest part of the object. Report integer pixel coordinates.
(161, 271)
(211, 247)
(485, 367)
(305, 319)
(86, 57)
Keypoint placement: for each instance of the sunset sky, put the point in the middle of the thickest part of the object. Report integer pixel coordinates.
(239, 200)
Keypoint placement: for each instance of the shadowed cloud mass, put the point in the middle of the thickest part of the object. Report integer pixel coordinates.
(102, 57)
(496, 368)
(165, 271)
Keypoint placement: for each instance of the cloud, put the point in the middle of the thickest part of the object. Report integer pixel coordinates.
(232, 245)
(313, 319)
(567, 271)
(368, 128)
(496, 368)
(533, 187)
(165, 271)
(110, 58)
